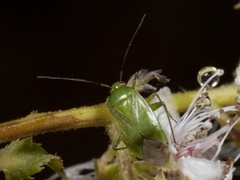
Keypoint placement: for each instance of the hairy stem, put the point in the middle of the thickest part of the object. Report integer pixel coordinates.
(39, 123)
(124, 157)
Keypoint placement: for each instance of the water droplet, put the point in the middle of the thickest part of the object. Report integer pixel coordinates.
(205, 73)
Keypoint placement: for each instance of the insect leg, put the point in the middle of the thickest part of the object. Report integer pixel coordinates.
(154, 106)
(169, 116)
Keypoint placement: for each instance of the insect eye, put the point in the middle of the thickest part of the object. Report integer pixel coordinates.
(116, 85)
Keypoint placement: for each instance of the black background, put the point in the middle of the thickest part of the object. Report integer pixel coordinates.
(88, 39)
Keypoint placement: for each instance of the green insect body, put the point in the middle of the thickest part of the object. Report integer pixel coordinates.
(135, 121)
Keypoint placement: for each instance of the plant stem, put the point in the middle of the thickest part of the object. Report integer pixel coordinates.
(124, 156)
(39, 123)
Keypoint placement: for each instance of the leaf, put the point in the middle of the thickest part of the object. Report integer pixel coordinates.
(23, 158)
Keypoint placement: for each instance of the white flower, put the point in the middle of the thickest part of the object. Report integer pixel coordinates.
(189, 140)
(237, 79)
(199, 168)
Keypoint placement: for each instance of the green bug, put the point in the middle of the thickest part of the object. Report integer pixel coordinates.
(138, 127)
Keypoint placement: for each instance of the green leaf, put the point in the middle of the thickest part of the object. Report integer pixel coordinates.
(23, 158)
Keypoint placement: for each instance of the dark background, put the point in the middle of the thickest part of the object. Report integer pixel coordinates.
(88, 39)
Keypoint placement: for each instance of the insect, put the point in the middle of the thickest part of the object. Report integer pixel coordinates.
(137, 126)
(134, 119)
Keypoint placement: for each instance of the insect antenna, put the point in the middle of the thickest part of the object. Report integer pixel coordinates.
(129, 45)
(73, 79)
